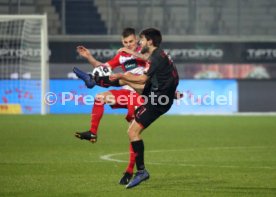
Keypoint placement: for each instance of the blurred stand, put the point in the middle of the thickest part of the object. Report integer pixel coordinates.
(172, 17)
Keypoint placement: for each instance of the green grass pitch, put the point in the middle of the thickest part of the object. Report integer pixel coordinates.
(185, 155)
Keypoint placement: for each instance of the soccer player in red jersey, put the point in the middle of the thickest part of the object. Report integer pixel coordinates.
(128, 63)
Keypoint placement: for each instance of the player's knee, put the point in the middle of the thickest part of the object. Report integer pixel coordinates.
(106, 97)
(132, 134)
(100, 98)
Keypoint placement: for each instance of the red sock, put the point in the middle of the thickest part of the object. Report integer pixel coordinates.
(96, 116)
(131, 163)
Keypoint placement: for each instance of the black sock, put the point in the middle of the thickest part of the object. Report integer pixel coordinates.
(138, 148)
(105, 82)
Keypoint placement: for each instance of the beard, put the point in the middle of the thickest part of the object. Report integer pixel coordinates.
(145, 49)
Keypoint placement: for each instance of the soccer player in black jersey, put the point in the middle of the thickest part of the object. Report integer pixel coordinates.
(161, 80)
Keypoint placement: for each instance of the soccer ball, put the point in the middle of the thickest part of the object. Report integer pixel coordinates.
(102, 71)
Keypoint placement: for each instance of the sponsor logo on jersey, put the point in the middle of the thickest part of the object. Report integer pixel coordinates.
(130, 64)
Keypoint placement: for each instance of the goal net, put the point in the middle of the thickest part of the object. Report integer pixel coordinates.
(24, 69)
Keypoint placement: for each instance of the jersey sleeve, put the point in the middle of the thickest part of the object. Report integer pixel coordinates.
(114, 62)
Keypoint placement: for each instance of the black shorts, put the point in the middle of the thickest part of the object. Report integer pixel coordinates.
(147, 114)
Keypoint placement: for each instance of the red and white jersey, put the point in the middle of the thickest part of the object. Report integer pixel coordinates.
(128, 63)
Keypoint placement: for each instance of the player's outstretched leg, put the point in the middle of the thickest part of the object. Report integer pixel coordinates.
(140, 176)
(87, 78)
(87, 135)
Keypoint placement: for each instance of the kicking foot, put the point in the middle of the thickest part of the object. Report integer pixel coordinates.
(87, 135)
(87, 78)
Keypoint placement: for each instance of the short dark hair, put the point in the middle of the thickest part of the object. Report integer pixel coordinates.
(128, 31)
(152, 34)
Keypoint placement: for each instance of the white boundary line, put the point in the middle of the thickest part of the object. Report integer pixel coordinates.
(109, 157)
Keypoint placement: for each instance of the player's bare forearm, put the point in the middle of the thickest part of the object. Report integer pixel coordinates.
(85, 53)
(94, 62)
(134, 81)
(139, 55)
(136, 86)
(134, 53)
(137, 79)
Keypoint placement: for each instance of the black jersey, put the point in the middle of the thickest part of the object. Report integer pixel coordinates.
(163, 76)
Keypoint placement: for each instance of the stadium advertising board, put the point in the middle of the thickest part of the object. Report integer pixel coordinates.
(203, 96)
(27, 94)
(190, 52)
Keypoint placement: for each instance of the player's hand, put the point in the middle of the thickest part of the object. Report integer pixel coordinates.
(115, 76)
(124, 49)
(178, 95)
(84, 52)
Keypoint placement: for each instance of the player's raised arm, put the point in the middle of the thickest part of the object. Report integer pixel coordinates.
(134, 53)
(137, 82)
(85, 53)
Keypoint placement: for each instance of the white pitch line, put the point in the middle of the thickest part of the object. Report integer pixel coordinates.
(109, 157)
